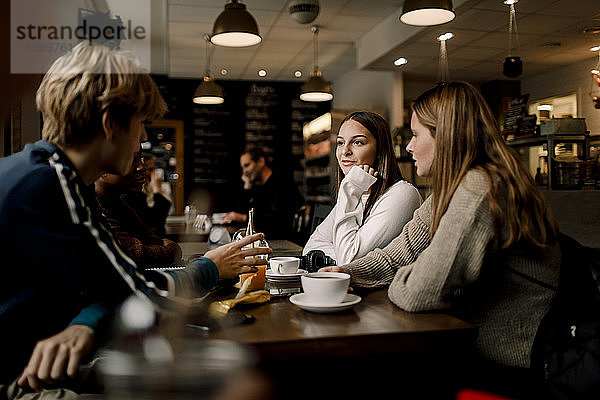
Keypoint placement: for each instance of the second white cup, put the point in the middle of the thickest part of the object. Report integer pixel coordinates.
(284, 265)
(325, 288)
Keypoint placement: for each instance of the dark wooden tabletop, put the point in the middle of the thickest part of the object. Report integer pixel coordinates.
(280, 248)
(374, 326)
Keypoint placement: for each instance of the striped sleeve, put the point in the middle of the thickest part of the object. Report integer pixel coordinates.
(152, 285)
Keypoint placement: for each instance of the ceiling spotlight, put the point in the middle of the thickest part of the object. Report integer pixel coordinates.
(235, 27)
(224, 71)
(298, 74)
(400, 61)
(262, 72)
(446, 36)
(427, 12)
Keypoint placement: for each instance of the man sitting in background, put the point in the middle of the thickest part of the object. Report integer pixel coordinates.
(274, 198)
(62, 269)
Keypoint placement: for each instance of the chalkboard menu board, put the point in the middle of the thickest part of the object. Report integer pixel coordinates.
(210, 153)
(517, 123)
(263, 119)
(265, 114)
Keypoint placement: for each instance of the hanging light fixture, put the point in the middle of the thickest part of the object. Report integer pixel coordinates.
(316, 88)
(444, 71)
(235, 27)
(427, 12)
(513, 66)
(208, 92)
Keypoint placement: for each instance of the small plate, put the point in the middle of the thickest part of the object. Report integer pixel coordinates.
(275, 276)
(301, 301)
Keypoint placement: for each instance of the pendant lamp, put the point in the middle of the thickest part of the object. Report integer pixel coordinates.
(235, 27)
(513, 66)
(444, 71)
(316, 88)
(208, 92)
(427, 12)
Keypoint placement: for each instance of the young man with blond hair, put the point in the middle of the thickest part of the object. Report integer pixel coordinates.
(62, 268)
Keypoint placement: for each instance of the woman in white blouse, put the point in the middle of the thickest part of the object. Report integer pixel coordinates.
(373, 201)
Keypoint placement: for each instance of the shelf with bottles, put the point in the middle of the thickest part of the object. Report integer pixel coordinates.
(559, 161)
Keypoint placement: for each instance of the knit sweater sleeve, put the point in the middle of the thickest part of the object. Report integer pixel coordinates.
(454, 258)
(378, 267)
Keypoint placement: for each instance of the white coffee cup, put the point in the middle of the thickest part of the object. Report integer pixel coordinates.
(325, 287)
(284, 265)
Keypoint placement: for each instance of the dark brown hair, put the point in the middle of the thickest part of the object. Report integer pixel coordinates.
(385, 159)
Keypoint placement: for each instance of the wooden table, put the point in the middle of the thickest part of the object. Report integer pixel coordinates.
(374, 326)
(280, 248)
(368, 351)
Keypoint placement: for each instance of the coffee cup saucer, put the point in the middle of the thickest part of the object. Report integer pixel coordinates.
(274, 275)
(301, 300)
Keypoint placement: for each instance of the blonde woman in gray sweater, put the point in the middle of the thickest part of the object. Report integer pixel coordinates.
(480, 245)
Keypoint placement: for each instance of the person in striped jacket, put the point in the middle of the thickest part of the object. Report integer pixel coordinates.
(62, 269)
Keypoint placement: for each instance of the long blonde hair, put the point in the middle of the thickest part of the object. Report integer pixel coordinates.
(467, 137)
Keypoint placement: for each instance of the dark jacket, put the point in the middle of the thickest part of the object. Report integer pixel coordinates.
(136, 238)
(275, 204)
(59, 256)
(154, 217)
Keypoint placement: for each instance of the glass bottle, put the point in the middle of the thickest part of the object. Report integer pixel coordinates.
(258, 278)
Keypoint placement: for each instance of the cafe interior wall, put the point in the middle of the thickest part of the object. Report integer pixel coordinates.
(367, 90)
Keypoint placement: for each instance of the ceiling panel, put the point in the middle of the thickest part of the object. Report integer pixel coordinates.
(187, 13)
(521, 7)
(477, 50)
(543, 24)
(577, 8)
(499, 40)
(476, 19)
(368, 8)
(478, 53)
